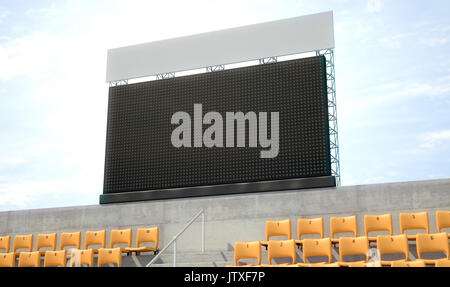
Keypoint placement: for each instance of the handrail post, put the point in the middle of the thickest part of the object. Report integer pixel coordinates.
(203, 231)
(175, 253)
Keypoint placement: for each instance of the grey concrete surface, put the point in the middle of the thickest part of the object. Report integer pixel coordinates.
(231, 218)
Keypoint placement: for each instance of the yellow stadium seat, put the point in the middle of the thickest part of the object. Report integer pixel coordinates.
(357, 264)
(247, 250)
(44, 241)
(70, 239)
(343, 225)
(95, 238)
(277, 228)
(146, 235)
(55, 258)
(443, 220)
(309, 227)
(418, 220)
(437, 242)
(22, 241)
(382, 222)
(416, 263)
(29, 259)
(121, 237)
(390, 244)
(7, 260)
(5, 243)
(82, 257)
(442, 263)
(110, 256)
(353, 246)
(281, 248)
(316, 247)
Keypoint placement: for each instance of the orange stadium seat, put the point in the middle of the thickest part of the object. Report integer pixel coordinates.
(121, 237)
(247, 250)
(82, 257)
(309, 227)
(7, 260)
(146, 235)
(316, 247)
(55, 258)
(110, 256)
(415, 263)
(281, 248)
(22, 241)
(343, 225)
(382, 222)
(277, 228)
(437, 242)
(443, 220)
(357, 264)
(95, 238)
(418, 220)
(30, 259)
(70, 239)
(390, 244)
(44, 241)
(442, 263)
(5, 243)
(353, 246)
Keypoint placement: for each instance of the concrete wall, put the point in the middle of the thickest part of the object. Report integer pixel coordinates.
(236, 217)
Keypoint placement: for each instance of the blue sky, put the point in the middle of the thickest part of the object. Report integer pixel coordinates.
(392, 81)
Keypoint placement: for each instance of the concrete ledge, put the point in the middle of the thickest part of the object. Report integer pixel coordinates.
(239, 217)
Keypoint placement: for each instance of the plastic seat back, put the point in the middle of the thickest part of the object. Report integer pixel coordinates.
(46, 240)
(147, 235)
(70, 239)
(442, 220)
(95, 238)
(82, 257)
(418, 220)
(23, 241)
(247, 250)
(382, 222)
(5, 243)
(437, 242)
(415, 263)
(30, 259)
(353, 246)
(309, 226)
(317, 247)
(7, 260)
(281, 248)
(278, 228)
(343, 225)
(442, 263)
(123, 236)
(55, 258)
(110, 256)
(390, 244)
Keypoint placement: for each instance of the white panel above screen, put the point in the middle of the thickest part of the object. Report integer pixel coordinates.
(246, 43)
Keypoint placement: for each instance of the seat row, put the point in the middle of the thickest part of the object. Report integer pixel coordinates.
(72, 240)
(372, 223)
(386, 244)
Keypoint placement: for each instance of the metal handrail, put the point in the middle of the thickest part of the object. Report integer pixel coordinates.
(174, 239)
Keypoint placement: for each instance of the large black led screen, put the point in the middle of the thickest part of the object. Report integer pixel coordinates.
(150, 146)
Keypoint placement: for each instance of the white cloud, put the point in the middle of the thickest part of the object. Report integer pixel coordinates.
(433, 139)
(373, 6)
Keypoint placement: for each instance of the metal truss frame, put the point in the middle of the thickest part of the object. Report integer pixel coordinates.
(268, 60)
(118, 83)
(215, 68)
(165, 75)
(332, 113)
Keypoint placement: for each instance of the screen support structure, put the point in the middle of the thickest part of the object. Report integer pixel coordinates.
(118, 83)
(332, 113)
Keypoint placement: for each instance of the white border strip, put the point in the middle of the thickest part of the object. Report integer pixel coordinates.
(246, 43)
